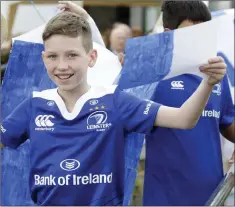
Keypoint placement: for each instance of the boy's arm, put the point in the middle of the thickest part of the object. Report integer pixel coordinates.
(14, 127)
(72, 7)
(189, 113)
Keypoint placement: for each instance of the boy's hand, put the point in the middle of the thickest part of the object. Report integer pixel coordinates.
(72, 7)
(215, 69)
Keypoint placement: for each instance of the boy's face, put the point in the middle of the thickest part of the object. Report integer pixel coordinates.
(67, 61)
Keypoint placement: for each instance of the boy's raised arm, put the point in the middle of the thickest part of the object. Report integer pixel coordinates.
(188, 114)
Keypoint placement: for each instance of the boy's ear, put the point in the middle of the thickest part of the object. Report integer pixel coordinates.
(93, 55)
(43, 55)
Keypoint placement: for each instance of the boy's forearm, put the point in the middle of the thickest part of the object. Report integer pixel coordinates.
(187, 116)
(192, 109)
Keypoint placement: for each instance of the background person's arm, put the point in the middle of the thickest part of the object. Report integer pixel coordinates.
(229, 133)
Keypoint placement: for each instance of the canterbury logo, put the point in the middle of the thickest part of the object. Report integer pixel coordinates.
(177, 85)
(44, 121)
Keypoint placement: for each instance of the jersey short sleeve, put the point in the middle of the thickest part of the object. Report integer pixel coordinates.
(15, 126)
(137, 115)
(227, 115)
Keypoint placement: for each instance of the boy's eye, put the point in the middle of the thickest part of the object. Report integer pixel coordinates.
(72, 55)
(51, 56)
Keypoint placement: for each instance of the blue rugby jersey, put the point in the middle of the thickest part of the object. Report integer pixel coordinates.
(183, 167)
(78, 158)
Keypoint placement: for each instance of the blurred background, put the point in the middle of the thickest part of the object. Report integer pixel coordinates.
(23, 16)
(140, 18)
(137, 18)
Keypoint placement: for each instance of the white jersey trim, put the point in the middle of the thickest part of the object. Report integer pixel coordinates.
(94, 92)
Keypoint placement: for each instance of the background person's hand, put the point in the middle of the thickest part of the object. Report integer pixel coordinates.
(72, 7)
(215, 70)
(121, 58)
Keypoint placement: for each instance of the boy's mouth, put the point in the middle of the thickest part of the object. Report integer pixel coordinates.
(64, 76)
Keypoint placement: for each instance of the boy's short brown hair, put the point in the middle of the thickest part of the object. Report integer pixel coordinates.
(71, 25)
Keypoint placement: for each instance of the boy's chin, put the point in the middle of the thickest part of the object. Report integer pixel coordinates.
(67, 88)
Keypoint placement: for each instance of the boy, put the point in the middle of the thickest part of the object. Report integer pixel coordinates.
(183, 167)
(77, 131)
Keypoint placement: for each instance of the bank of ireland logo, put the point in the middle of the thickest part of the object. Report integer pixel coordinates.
(70, 164)
(98, 121)
(43, 122)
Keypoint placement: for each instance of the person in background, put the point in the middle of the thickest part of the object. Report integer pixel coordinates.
(184, 167)
(118, 36)
(106, 37)
(137, 31)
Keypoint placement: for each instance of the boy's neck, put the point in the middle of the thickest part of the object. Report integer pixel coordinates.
(70, 97)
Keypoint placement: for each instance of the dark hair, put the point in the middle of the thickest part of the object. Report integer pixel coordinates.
(71, 25)
(175, 12)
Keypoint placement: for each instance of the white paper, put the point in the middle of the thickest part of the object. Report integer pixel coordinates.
(106, 69)
(34, 35)
(193, 47)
